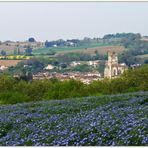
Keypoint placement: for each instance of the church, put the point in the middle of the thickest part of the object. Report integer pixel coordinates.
(112, 68)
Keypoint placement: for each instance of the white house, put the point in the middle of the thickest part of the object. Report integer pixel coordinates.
(75, 63)
(49, 67)
(54, 45)
(3, 68)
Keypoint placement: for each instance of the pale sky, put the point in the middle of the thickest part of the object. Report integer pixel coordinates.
(67, 20)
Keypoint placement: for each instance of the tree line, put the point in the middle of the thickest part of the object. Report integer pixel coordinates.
(14, 90)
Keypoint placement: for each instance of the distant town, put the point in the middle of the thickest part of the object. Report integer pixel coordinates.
(85, 60)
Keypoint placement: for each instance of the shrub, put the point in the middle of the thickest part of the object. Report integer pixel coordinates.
(12, 91)
(66, 89)
(6, 83)
(13, 98)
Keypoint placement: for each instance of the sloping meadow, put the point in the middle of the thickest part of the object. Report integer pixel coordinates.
(91, 121)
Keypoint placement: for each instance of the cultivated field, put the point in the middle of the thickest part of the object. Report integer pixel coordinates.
(102, 49)
(15, 57)
(10, 49)
(9, 63)
(119, 120)
(60, 49)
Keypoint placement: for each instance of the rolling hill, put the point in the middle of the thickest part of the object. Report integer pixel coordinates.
(101, 50)
(88, 50)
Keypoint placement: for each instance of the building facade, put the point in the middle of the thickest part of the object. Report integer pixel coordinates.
(113, 68)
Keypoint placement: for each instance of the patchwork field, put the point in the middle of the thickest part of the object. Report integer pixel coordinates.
(59, 49)
(102, 49)
(91, 121)
(10, 49)
(9, 63)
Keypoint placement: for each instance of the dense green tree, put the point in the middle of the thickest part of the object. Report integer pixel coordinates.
(146, 61)
(28, 50)
(82, 68)
(6, 82)
(3, 53)
(31, 39)
(15, 52)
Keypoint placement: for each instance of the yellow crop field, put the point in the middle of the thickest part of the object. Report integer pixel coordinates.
(17, 57)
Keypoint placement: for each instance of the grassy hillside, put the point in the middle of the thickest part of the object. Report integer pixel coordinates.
(106, 120)
(90, 49)
(45, 50)
(101, 50)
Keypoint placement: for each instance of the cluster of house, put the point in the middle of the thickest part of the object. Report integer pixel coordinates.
(86, 77)
(68, 43)
(76, 63)
(133, 66)
(113, 69)
(90, 63)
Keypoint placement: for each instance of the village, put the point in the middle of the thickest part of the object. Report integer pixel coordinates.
(112, 69)
(86, 77)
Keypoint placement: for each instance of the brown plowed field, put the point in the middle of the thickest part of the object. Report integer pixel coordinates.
(9, 63)
(101, 50)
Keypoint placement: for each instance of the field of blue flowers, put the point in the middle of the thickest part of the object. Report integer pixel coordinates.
(120, 120)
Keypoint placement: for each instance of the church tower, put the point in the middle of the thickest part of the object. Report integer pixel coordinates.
(112, 58)
(112, 68)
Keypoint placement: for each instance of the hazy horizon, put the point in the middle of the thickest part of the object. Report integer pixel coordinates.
(67, 20)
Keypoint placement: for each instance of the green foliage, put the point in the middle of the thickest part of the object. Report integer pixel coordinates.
(34, 90)
(66, 89)
(51, 52)
(62, 47)
(31, 39)
(129, 60)
(28, 51)
(131, 36)
(137, 78)
(69, 57)
(132, 42)
(6, 82)
(15, 91)
(32, 65)
(13, 98)
(3, 53)
(146, 61)
(15, 52)
(82, 68)
(101, 67)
